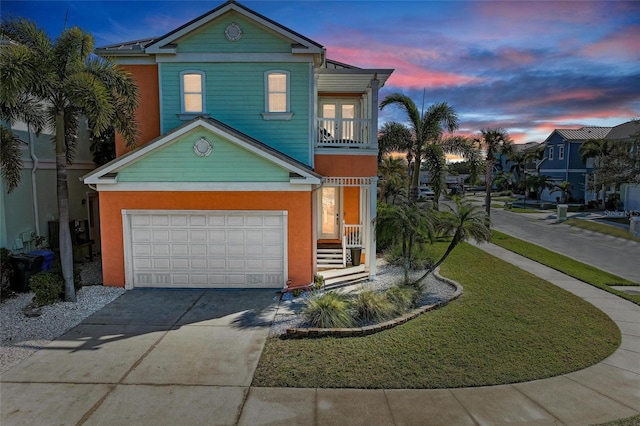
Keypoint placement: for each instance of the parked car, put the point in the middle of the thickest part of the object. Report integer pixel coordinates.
(426, 193)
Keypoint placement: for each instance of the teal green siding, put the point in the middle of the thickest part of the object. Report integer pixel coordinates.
(235, 96)
(255, 38)
(177, 162)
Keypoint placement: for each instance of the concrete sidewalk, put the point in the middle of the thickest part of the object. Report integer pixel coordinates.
(193, 364)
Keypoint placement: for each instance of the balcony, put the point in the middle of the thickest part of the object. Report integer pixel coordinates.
(344, 133)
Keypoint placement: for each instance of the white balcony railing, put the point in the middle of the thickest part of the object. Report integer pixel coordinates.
(343, 132)
(352, 235)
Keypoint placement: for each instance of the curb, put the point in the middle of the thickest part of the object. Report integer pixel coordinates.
(299, 333)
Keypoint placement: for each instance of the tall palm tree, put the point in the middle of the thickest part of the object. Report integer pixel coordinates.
(393, 173)
(596, 149)
(493, 141)
(518, 160)
(540, 183)
(67, 82)
(427, 130)
(465, 221)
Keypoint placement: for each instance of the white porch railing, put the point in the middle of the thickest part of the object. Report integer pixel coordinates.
(343, 132)
(351, 237)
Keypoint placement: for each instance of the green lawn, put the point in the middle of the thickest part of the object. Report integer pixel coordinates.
(566, 265)
(602, 228)
(509, 326)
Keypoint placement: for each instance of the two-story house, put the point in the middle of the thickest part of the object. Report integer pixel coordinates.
(563, 162)
(256, 164)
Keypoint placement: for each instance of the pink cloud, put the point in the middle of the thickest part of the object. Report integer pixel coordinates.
(407, 74)
(624, 44)
(574, 95)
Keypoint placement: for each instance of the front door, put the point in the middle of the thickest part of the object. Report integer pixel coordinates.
(329, 213)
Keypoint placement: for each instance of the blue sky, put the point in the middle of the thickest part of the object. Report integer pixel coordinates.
(526, 66)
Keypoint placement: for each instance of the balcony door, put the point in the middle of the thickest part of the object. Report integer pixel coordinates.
(339, 118)
(329, 213)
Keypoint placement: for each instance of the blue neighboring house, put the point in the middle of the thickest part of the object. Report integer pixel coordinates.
(562, 161)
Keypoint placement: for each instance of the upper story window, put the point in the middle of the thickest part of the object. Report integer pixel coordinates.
(276, 96)
(550, 153)
(561, 152)
(192, 85)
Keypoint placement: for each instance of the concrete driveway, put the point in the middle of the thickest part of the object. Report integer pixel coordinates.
(188, 356)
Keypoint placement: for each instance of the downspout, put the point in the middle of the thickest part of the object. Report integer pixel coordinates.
(34, 184)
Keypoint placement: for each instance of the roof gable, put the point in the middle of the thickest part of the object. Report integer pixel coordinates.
(299, 43)
(233, 157)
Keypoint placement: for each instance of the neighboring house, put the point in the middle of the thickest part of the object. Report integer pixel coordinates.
(256, 164)
(562, 161)
(27, 211)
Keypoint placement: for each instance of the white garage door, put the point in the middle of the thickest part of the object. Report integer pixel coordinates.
(205, 249)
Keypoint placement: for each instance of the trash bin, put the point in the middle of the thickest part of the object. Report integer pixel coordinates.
(356, 252)
(562, 212)
(24, 265)
(634, 226)
(47, 262)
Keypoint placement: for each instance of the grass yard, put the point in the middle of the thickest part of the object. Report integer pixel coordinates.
(602, 228)
(509, 326)
(566, 265)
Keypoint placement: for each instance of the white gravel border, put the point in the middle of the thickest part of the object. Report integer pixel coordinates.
(21, 336)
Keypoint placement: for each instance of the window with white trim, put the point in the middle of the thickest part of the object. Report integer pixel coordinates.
(561, 152)
(192, 84)
(276, 95)
(550, 153)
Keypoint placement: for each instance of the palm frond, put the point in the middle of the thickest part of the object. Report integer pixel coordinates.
(11, 155)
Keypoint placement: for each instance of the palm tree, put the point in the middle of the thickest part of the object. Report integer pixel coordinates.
(504, 180)
(393, 137)
(540, 183)
(66, 82)
(405, 223)
(426, 132)
(518, 160)
(596, 149)
(465, 221)
(393, 173)
(563, 187)
(492, 141)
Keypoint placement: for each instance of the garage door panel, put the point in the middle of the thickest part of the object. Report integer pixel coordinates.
(179, 263)
(215, 249)
(158, 235)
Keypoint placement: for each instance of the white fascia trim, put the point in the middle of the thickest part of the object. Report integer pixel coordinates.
(157, 47)
(204, 186)
(346, 151)
(232, 57)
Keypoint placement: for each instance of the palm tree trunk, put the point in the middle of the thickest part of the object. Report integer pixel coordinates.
(487, 181)
(415, 180)
(66, 246)
(454, 242)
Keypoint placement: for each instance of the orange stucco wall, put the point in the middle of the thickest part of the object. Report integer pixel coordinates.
(148, 112)
(297, 204)
(347, 165)
(351, 205)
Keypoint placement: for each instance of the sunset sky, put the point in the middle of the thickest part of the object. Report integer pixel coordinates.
(526, 66)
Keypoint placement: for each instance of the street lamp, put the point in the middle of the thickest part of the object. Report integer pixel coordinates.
(526, 188)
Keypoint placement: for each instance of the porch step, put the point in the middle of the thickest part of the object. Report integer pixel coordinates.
(329, 257)
(345, 280)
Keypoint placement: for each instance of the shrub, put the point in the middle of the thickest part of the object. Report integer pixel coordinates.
(403, 298)
(328, 310)
(373, 306)
(47, 287)
(6, 271)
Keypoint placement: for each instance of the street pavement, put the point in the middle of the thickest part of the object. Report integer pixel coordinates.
(618, 256)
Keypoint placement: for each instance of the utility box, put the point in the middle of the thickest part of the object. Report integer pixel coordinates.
(562, 212)
(24, 265)
(634, 226)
